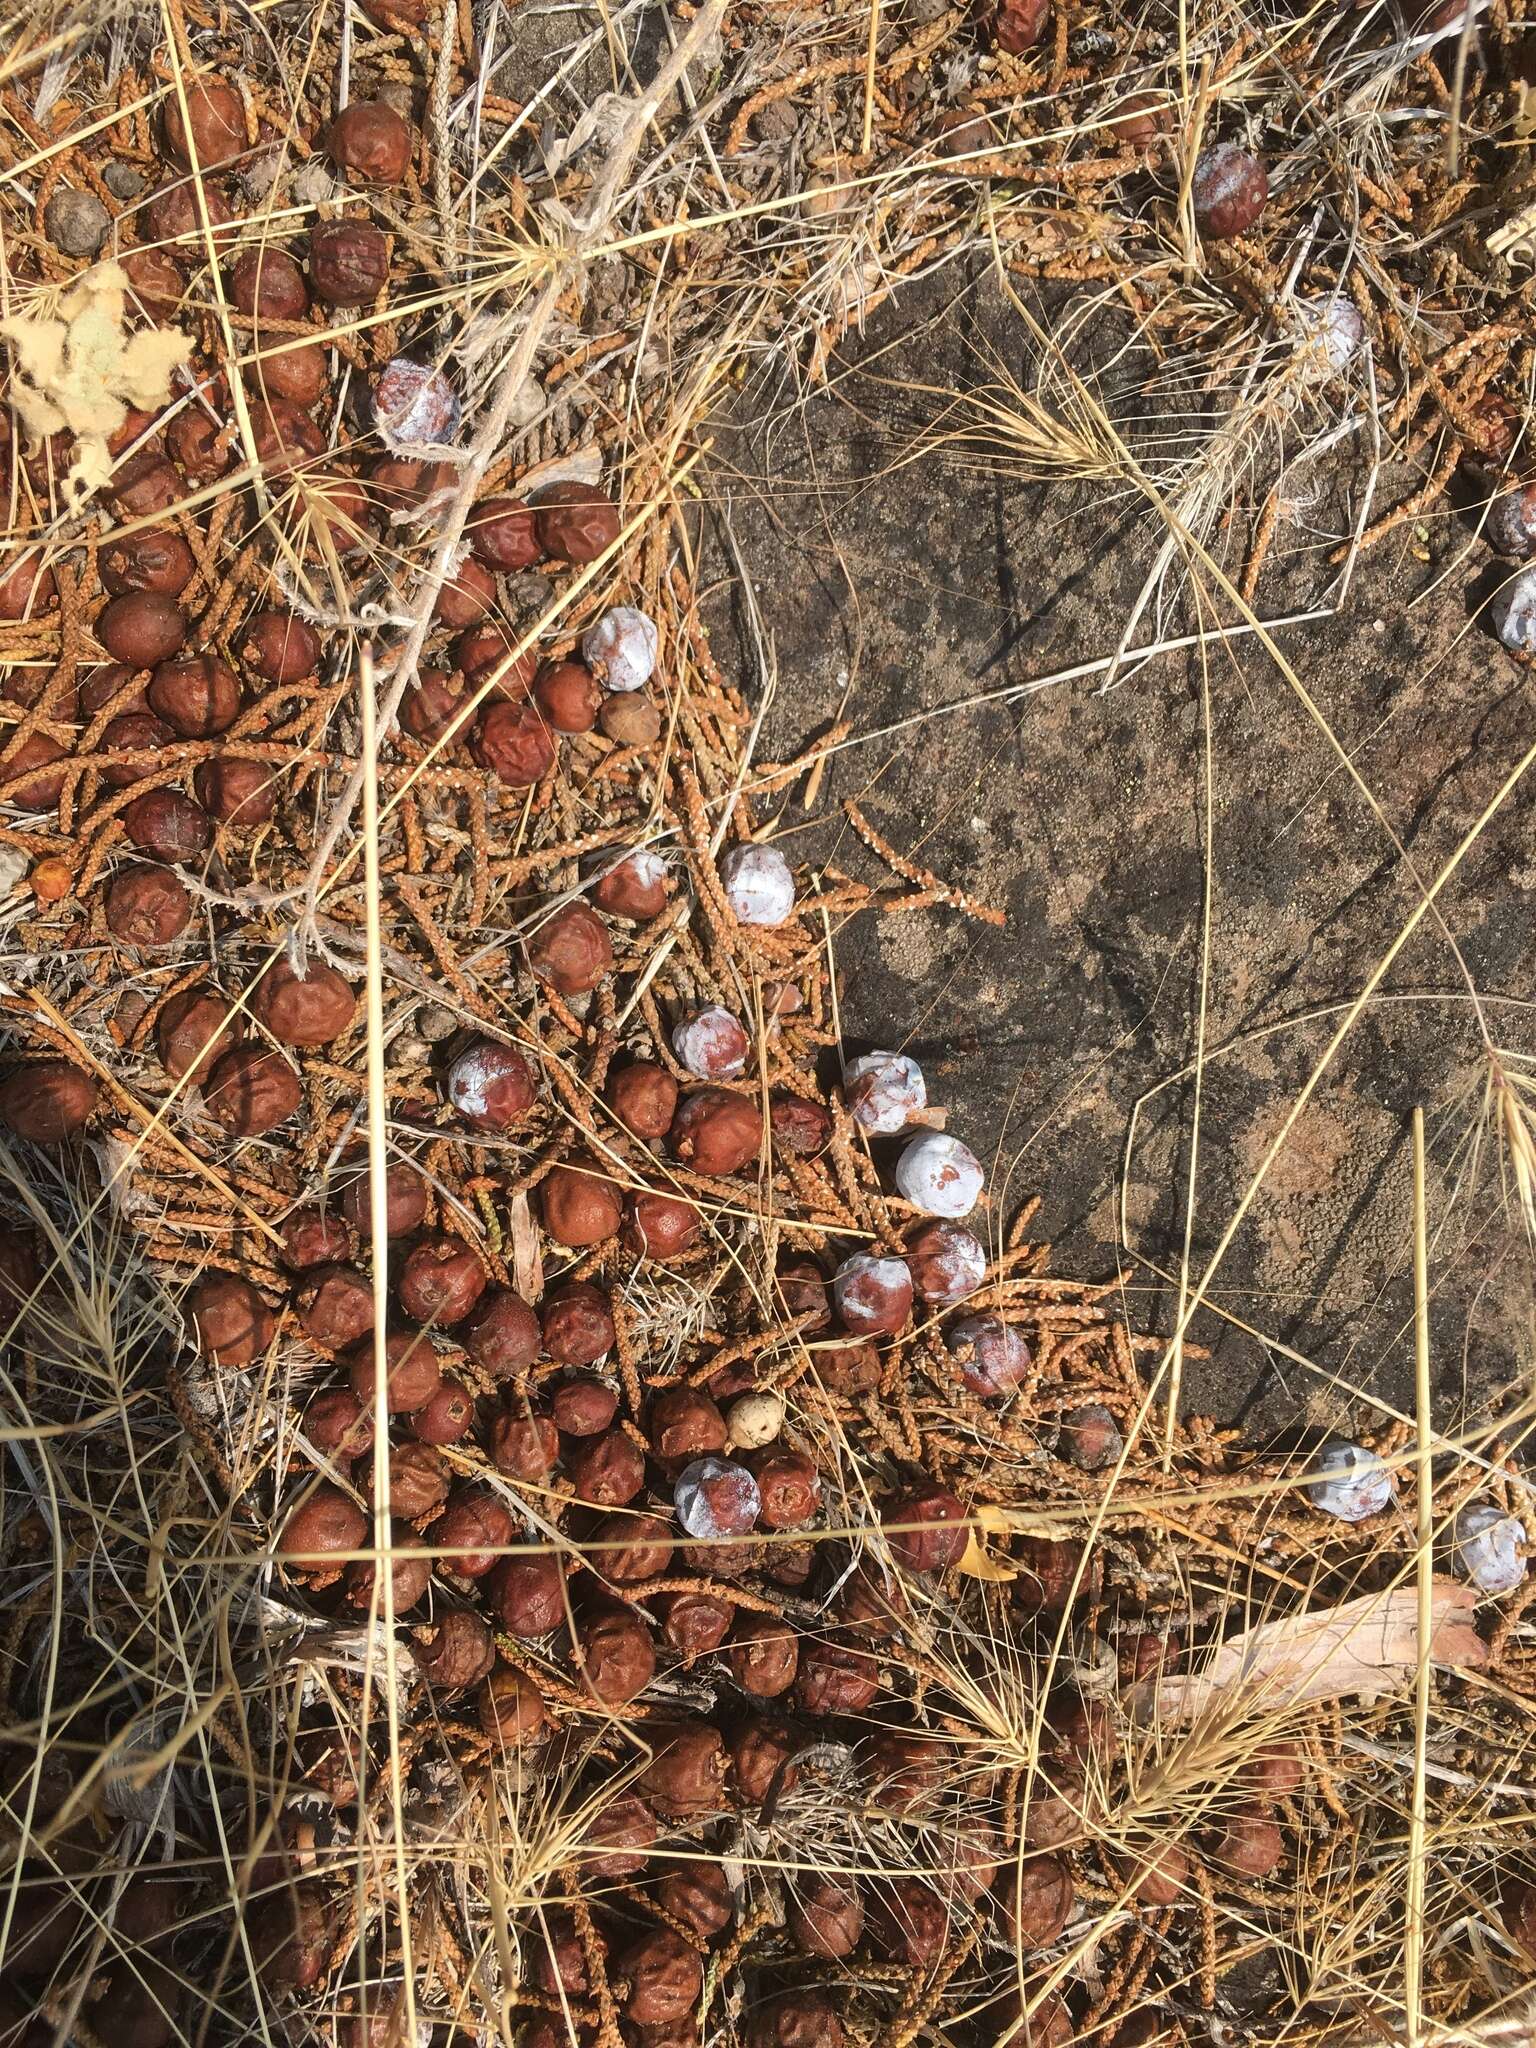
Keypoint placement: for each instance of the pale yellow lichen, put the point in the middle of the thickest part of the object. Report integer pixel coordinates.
(78, 369)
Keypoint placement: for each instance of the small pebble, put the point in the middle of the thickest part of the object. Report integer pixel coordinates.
(122, 180)
(77, 222)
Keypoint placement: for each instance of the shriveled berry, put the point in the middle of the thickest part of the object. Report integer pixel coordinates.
(369, 140)
(474, 1530)
(711, 1043)
(825, 1917)
(410, 1574)
(147, 906)
(405, 1201)
(325, 1522)
(665, 1978)
(279, 646)
(491, 1086)
(436, 707)
(686, 1774)
(168, 825)
(467, 594)
(1248, 1844)
(1035, 1896)
(614, 1655)
(211, 129)
(760, 1755)
(196, 696)
(251, 1090)
(229, 1321)
(946, 1263)
(758, 884)
(608, 1470)
(633, 887)
(155, 560)
(334, 1305)
(568, 694)
(699, 1895)
(511, 1709)
(799, 1126)
(790, 1487)
(693, 1624)
(501, 534)
(458, 1653)
(192, 1032)
(441, 1281)
(939, 1175)
(348, 262)
(266, 281)
(643, 1096)
(514, 743)
(925, 1529)
(571, 950)
(834, 1679)
(629, 1549)
(414, 406)
(524, 1445)
(873, 1295)
(685, 1424)
(580, 1205)
(314, 1008)
(660, 1226)
(502, 1336)
(529, 1595)
(1229, 190)
(716, 1132)
(575, 522)
(577, 1323)
(236, 790)
(141, 628)
(418, 1479)
(337, 1423)
(764, 1655)
(716, 1499)
(583, 1405)
(411, 1371)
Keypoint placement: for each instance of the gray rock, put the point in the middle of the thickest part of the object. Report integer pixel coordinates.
(123, 181)
(77, 222)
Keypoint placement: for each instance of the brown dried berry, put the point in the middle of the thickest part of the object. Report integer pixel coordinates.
(156, 561)
(204, 447)
(614, 1656)
(1159, 1875)
(174, 216)
(410, 1575)
(473, 1532)
(418, 1480)
(292, 1932)
(685, 1424)
(790, 1487)
(699, 1895)
(1048, 1575)
(168, 825)
(1276, 1770)
(491, 1086)
(511, 1710)
(643, 1096)
(716, 1132)
(661, 1226)
(797, 2019)
(693, 1624)
(575, 522)
(947, 1263)
(501, 534)
(825, 1917)
(568, 694)
(634, 888)
(802, 1289)
(912, 1923)
(529, 1595)
(192, 1032)
(833, 1679)
(236, 791)
(577, 1323)
(1229, 190)
(348, 262)
(572, 950)
(197, 696)
(494, 647)
(212, 129)
(1015, 25)
(441, 1281)
(293, 370)
(1247, 1845)
(1081, 1730)
(412, 1373)
(629, 720)
(1518, 1912)
(436, 706)
(284, 436)
(761, 1753)
(665, 1978)
(371, 142)
(524, 1445)
(268, 282)
(405, 1202)
(279, 646)
(628, 1549)
(141, 628)
(466, 595)
(686, 1773)
(448, 1417)
(560, 1962)
(925, 1529)
(112, 688)
(618, 1839)
(1035, 1896)
(514, 742)
(608, 1470)
(459, 1652)
(26, 586)
(141, 487)
(251, 1090)
(800, 1127)
(334, 1305)
(228, 1320)
(579, 1204)
(872, 1602)
(764, 1655)
(502, 1336)
(155, 282)
(337, 1423)
(325, 1522)
(39, 789)
(908, 1769)
(147, 906)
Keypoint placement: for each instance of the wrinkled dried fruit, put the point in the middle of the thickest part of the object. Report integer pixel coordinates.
(884, 1091)
(334, 1305)
(441, 1281)
(699, 1895)
(567, 693)
(514, 742)
(211, 131)
(292, 1932)
(228, 1320)
(685, 1424)
(511, 1710)
(580, 1205)
(448, 1417)
(572, 950)
(279, 646)
(711, 1044)
(412, 1373)
(798, 2019)
(686, 1773)
(1229, 190)
(501, 534)
(307, 1010)
(235, 790)
(693, 1624)
(251, 1090)
(529, 1595)
(459, 1652)
(405, 1202)
(614, 1656)
(834, 1679)
(799, 1126)
(369, 140)
(410, 1574)
(715, 1132)
(348, 262)
(643, 1096)
(764, 1654)
(575, 522)
(267, 282)
(502, 1336)
(1035, 1896)
(491, 1086)
(660, 1226)
(147, 906)
(167, 825)
(790, 1487)
(619, 1838)
(325, 1521)
(946, 1263)
(1159, 1875)
(473, 1532)
(665, 1977)
(608, 1470)
(1247, 1845)
(991, 1357)
(629, 1549)
(758, 884)
(825, 1917)
(157, 560)
(337, 1423)
(141, 628)
(524, 1445)
(760, 1753)
(192, 1032)
(912, 1923)
(634, 887)
(418, 1481)
(716, 1499)
(584, 1406)
(1047, 1572)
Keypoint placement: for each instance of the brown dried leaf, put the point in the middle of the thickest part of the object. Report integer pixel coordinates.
(1362, 1649)
(527, 1259)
